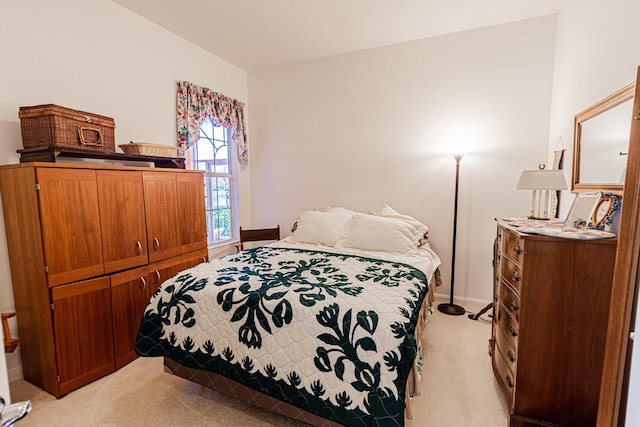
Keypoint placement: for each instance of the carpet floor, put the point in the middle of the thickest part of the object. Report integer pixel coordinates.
(458, 389)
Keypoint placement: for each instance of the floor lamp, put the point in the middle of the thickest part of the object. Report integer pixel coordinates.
(451, 308)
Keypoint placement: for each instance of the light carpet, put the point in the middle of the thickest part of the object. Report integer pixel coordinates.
(458, 388)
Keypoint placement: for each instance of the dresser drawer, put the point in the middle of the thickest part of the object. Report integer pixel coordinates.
(506, 324)
(512, 246)
(511, 273)
(510, 301)
(500, 231)
(507, 349)
(505, 376)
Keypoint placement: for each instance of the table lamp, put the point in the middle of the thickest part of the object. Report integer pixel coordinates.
(541, 182)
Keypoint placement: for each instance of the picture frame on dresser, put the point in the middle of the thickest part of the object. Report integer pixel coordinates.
(606, 215)
(581, 212)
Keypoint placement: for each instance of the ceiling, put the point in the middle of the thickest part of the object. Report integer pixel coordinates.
(257, 34)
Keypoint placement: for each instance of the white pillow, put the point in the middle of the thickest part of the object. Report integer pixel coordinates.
(323, 228)
(339, 209)
(420, 230)
(377, 233)
(388, 210)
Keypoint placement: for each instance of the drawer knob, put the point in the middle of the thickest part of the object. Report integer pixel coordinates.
(514, 305)
(515, 276)
(511, 356)
(509, 381)
(517, 250)
(513, 331)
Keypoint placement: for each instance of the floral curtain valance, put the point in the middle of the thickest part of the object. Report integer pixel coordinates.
(196, 104)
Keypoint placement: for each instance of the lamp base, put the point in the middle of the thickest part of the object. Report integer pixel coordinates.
(451, 309)
(538, 218)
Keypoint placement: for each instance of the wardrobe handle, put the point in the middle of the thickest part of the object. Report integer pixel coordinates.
(138, 247)
(508, 380)
(511, 356)
(514, 305)
(143, 283)
(158, 276)
(513, 331)
(517, 250)
(515, 276)
(156, 243)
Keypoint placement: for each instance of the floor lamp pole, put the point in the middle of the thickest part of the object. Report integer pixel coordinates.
(451, 308)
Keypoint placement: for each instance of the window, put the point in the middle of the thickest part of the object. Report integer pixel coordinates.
(213, 155)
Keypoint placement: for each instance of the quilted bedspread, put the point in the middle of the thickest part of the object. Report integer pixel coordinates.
(330, 333)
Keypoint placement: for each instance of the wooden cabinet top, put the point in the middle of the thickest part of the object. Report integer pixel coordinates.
(96, 167)
(54, 155)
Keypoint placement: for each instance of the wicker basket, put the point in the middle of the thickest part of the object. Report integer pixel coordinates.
(55, 126)
(148, 149)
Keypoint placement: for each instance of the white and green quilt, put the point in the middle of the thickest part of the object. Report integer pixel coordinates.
(330, 333)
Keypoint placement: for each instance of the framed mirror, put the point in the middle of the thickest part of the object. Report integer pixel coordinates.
(600, 143)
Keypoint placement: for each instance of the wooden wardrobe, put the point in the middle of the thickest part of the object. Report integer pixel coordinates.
(88, 246)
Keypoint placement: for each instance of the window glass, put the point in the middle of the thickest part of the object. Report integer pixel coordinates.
(211, 154)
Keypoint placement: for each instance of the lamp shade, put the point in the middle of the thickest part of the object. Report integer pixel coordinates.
(542, 180)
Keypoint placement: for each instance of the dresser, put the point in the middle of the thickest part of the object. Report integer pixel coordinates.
(550, 312)
(88, 246)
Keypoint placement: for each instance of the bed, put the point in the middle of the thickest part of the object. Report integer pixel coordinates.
(323, 326)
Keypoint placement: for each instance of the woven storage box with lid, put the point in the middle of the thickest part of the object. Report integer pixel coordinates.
(55, 126)
(148, 149)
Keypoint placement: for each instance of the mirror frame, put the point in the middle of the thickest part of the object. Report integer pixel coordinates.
(609, 102)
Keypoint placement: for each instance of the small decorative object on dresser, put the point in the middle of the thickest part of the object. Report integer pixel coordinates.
(581, 212)
(551, 305)
(606, 215)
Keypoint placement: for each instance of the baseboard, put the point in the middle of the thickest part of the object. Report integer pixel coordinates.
(442, 297)
(15, 374)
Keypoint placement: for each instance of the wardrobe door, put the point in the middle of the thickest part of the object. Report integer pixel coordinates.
(70, 224)
(84, 332)
(194, 258)
(130, 296)
(193, 226)
(160, 271)
(161, 212)
(122, 219)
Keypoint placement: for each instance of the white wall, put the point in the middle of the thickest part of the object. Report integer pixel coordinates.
(99, 57)
(596, 54)
(380, 126)
(4, 379)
